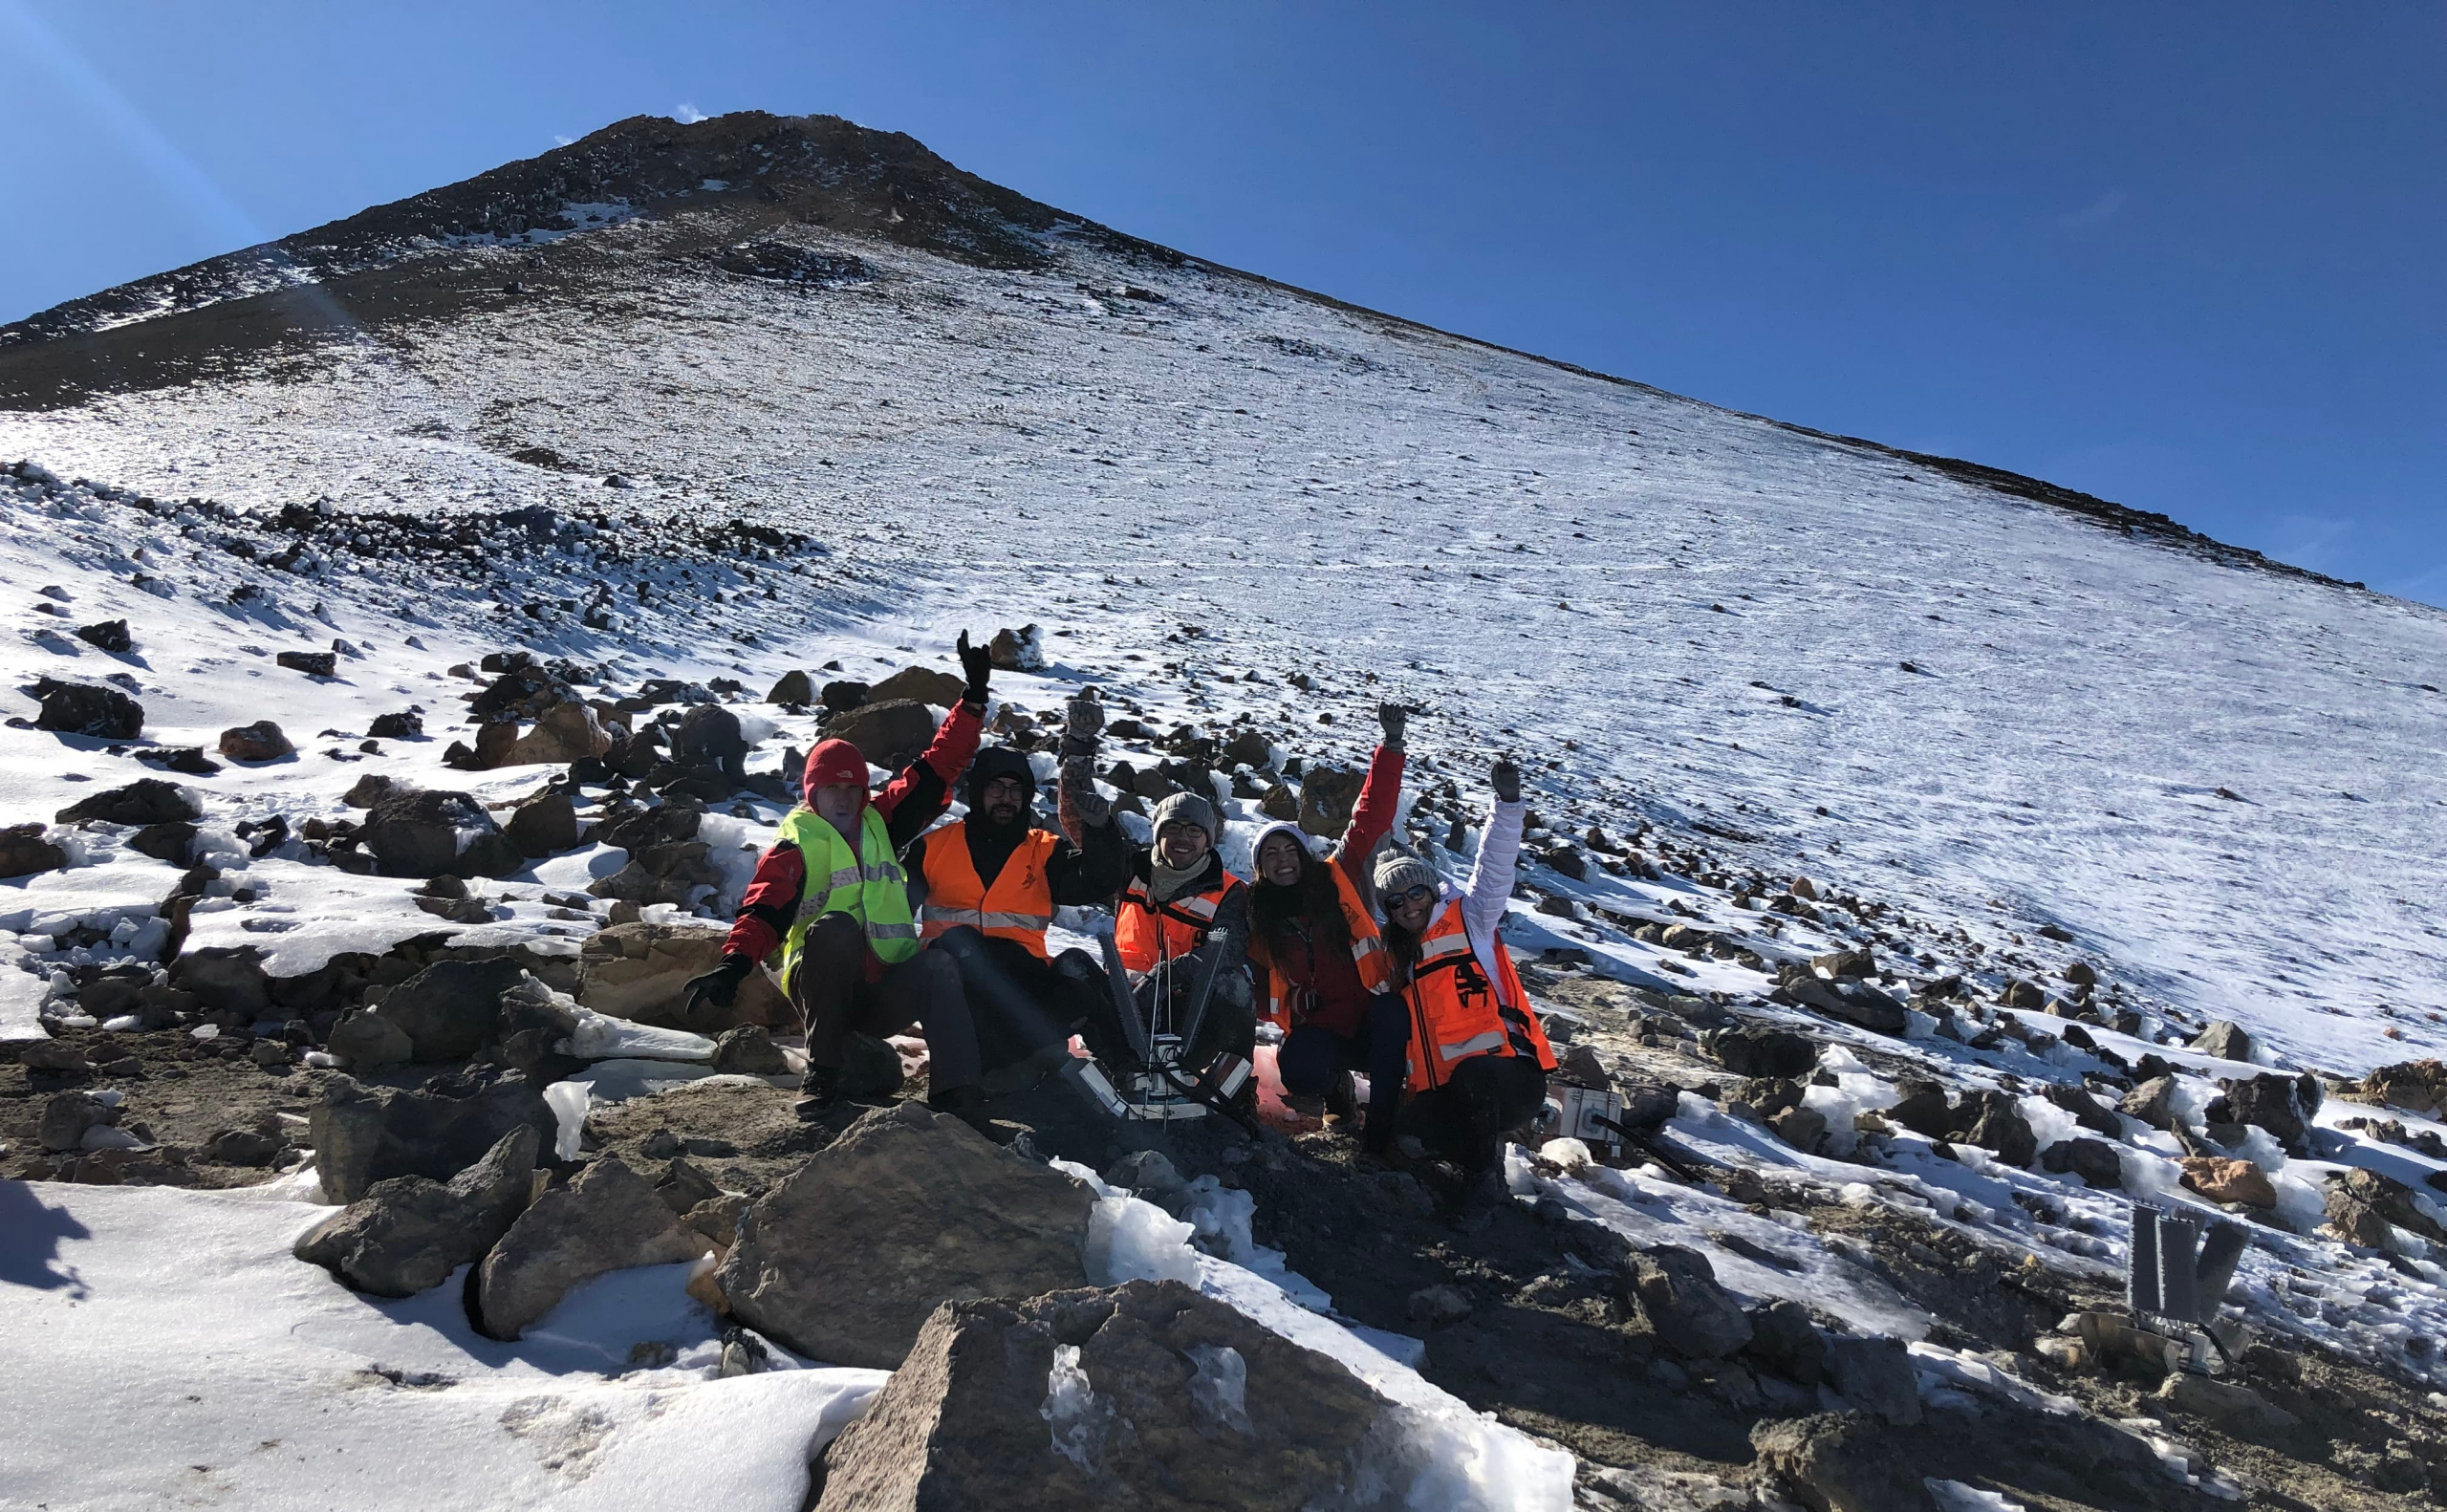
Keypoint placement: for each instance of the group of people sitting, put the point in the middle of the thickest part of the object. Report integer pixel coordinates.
(1359, 957)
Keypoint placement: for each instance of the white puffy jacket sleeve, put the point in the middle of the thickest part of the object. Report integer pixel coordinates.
(1491, 876)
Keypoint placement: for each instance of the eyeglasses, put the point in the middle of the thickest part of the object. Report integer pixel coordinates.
(1419, 894)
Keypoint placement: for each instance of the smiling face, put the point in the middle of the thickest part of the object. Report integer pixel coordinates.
(1002, 800)
(1281, 859)
(1413, 908)
(1181, 846)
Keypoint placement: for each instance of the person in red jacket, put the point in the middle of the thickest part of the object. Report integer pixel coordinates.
(1315, 940)
(847, 932)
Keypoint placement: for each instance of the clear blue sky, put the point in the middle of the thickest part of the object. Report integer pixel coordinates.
(2187, 256)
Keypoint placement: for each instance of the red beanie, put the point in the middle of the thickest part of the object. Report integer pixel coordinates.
(834, 762)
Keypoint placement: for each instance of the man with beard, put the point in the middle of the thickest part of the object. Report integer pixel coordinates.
(992, 881)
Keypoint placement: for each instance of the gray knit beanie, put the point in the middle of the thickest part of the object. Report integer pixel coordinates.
(1397, 872)
(1187, 808)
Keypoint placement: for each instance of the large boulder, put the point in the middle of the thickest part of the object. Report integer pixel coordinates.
(147, 800)
(607, 1218)
(1021, 650)
(1676, 1291)
(1148, 1396)
(260, 742)
(888, 732)
(2418, 1087)
(2282, 1105)
(2363, 1204)
(1327, 794)
(24, 851)
(844, 1260)
(1875, 1376)
(88, 708)
(409, 1233)
(1840, 1462)
(363, 1135)
(568, 731)
(543, 825)
(1758, 1049)
(369, 1041)
(641, 971)
(1994, 1121)
(920, 685)
(424, 831)
(791, 687)
(451, 1008)
(709, 735)
(1846, 998)
(223, 979)
(2224, 1039)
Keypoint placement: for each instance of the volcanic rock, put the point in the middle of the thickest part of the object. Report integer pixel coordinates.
(362, 1135)
(1676, 1291)
(147, 800)
(418, 832)
(259, 742)
(606, 1219)
(888, 732)
(24, 851)
(450, 1008)
(88, 708)
(845, 1258)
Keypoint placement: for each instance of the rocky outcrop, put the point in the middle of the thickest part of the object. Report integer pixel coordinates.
(409, 1233)
(362, 1135)
(1148, 1396)
(927, 685)
(607, 1218)
(427, 833)
(24, 851)
(147, 800)
(1327, 794)
(1676, 1291)
(568, 731)
(907, 1209)
(450, 1008)
(640, 972)
(88, 708)
(888, 732)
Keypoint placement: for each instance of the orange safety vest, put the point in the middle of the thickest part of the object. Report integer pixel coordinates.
(1019, 905)
(1367, 951)
(1147, 932)
(1456, 1013)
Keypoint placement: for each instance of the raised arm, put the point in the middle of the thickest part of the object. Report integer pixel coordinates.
(1380, 797)
(1499, 859)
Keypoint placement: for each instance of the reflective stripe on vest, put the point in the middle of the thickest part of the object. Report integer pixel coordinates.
(1018, 907)
(1366, 950)
(1146, 933)
(868, 885)
(1457, 1009)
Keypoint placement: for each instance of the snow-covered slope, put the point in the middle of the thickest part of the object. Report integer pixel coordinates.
(1982, 709)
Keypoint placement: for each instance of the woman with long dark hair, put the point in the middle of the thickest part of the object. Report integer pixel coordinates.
(1313, 938)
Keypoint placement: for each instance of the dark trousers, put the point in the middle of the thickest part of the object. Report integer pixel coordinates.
(1313, 1057)
(836, 1000)
(1019, 1003)
(1465, 1119)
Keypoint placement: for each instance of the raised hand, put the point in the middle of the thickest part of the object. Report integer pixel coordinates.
(977, 664)
(1506, 774)
(1395, 718)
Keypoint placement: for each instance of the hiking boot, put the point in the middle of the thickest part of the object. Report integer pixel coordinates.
(820, 1089)
(1476, 1200)
(1342, 1101)
(967, 1104)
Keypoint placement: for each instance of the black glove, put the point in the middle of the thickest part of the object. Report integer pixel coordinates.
(717, 989)
(1506, 777)
(978, 663)
(1083, 720)
(1395, 718)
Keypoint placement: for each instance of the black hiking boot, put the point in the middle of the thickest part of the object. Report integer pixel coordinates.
(819, 1090)
(967, 1104)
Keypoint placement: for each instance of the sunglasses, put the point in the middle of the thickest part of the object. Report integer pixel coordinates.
(1419, 894)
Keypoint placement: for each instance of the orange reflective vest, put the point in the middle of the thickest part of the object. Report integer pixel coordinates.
(1019, 905)
(1367, 951)
(1147, 932)
(1456, 1013)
